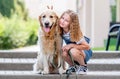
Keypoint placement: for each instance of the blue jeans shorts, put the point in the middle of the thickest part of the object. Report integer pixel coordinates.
(88, 54)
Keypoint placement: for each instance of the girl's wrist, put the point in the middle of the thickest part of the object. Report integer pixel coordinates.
(72, 45)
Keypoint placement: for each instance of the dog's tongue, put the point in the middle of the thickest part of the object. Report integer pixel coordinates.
(46, 29)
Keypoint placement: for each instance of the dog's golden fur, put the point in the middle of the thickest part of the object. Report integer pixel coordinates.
(49, 57)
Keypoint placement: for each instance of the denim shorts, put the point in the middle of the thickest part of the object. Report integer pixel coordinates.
(88, 54)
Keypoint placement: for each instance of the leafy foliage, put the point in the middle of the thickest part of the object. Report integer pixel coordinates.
(8, 7)
(16, 28)
(16, 32)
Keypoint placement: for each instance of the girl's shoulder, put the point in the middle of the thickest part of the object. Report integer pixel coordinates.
(81, 40)
(84, 38)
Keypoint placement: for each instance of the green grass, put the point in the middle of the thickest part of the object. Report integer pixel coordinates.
(111, 48)
(98, 48)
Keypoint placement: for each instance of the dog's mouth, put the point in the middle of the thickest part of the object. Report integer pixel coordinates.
(47, 29)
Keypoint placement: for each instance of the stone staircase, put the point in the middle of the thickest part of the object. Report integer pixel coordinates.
(18, 65)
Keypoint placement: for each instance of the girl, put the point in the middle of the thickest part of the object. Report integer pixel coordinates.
(76, 45)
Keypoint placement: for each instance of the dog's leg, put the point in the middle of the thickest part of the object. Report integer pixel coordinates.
(45, 65)
(62, 68)
(38, 66)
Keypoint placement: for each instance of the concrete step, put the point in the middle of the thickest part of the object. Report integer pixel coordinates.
(31, 75)
(27, 64)
(33, 54)
(106, 54)
(104, 64)
(16, 63)
(18, 54)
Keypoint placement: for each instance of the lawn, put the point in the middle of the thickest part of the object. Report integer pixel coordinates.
(112, 46)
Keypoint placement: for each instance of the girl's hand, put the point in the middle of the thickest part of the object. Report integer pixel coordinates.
(67, 47)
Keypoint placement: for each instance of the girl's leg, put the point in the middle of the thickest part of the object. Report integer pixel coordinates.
(66, 57)
(78, 56)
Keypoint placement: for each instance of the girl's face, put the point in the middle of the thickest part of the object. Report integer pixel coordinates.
(64, 21)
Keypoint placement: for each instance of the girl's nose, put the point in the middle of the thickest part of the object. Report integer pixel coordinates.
(63, 21)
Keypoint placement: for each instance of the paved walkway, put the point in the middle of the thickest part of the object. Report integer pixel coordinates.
(28, 48)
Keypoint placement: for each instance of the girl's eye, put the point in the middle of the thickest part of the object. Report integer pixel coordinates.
(66, 20)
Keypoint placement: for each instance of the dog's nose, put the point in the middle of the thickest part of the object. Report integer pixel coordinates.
(47, 23)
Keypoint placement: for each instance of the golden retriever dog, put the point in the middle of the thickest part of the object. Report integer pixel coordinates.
(49, 58)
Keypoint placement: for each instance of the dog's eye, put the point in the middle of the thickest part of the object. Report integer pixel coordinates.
(51, 16)
(44, 16)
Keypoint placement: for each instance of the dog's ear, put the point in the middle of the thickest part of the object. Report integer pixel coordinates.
(58, 28)
(40, 20)
(50, 7)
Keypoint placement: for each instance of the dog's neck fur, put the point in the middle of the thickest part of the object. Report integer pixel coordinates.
(49, 40)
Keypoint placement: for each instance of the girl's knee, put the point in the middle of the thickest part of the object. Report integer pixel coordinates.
(64, 54)
(74, 52)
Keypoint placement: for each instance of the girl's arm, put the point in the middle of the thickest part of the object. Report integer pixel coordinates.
(82, 46)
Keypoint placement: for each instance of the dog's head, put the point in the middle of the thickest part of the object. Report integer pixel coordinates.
(48, 20)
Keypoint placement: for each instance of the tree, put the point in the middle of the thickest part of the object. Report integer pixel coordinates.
(6, 6)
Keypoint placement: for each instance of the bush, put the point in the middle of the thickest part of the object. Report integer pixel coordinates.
(8, 7)
(16, 32)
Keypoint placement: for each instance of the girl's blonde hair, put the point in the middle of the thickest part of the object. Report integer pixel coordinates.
(75, 31)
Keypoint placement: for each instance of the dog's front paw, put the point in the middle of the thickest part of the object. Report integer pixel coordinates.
(44, 72)
(61, 71)
(36, 70)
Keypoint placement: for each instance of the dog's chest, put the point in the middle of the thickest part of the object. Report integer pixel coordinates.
(48, 45)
